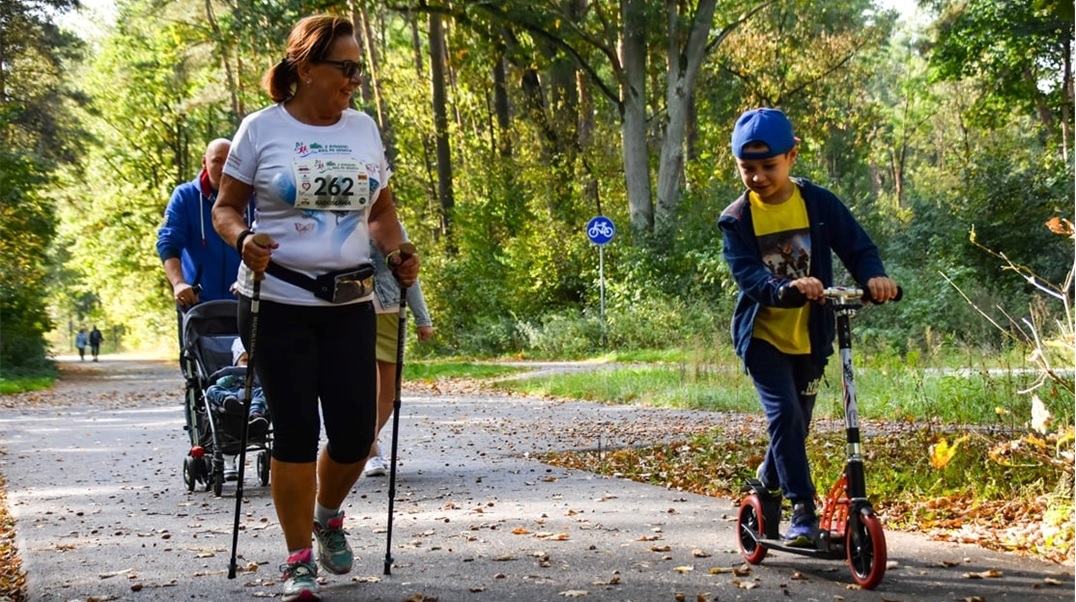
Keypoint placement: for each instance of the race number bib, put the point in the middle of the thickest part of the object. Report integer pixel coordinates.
(330, 185)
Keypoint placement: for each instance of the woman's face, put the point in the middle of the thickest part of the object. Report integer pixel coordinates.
(332, 88)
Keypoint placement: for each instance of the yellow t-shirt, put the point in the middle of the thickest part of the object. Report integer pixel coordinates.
(784, 239)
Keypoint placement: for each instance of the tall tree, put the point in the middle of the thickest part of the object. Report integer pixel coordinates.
(1020, 53)
(444, 150)
(36, 137)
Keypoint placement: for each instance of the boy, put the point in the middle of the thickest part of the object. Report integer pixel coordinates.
(782, 232)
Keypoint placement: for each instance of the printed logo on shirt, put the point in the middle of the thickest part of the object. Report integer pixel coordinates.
(788, 253)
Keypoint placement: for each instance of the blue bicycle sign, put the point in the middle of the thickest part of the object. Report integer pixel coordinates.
(600, 230)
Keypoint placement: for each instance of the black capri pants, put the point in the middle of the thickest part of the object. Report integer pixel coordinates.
(309, 353)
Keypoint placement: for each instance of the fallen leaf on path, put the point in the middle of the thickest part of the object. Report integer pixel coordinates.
(987, 574)
(574, 593)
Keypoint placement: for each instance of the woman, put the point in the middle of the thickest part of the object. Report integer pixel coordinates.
(318, 174)
(387, 306)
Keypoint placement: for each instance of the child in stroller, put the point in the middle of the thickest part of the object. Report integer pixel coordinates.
(215, 386)
(228, 387)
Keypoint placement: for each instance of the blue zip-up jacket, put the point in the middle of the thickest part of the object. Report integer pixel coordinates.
(833, 228)
(188, 233)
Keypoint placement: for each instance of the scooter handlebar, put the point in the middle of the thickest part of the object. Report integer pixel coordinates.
(791, 296)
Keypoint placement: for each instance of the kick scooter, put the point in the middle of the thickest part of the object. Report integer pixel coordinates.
(848, 526)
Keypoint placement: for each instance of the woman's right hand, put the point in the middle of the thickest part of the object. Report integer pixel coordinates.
(257, 251)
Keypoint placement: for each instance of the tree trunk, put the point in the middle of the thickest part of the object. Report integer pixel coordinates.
(427, 144)
(684, 64)
(633, 118)
(440, 120)
(233, 90)
(500, 106)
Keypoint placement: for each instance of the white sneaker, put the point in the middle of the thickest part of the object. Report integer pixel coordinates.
(375, 467)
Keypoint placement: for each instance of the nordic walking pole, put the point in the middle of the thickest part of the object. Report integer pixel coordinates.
(262, 240)
(406, 250)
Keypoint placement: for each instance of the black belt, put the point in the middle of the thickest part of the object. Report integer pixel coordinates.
(340, 286)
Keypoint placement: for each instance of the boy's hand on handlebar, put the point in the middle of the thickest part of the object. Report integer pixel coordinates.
(810, 287)
(882, 289)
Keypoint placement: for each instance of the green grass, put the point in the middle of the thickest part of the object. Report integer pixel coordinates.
(433, 370)
(889, 388)
(22, 385)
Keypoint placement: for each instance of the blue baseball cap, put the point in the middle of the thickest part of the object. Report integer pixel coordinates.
(764, 125)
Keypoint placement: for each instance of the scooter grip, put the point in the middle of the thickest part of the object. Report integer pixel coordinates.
(790, 296)
(867, 295)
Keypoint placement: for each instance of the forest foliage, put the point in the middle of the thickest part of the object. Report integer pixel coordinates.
(511, 123)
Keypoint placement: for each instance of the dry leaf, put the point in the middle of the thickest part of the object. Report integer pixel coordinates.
(520, 531)
(574, 593)
(941, 452)
(717, 570)
(660, 548)
(697, 553)
(1060, 225)
(684, 569)
(987, 574)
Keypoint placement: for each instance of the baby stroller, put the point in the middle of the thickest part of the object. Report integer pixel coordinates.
(209, 329)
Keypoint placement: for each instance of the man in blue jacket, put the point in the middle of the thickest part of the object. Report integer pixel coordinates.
(199, 265)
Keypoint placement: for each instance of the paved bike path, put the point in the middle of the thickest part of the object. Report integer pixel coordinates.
(95, 486)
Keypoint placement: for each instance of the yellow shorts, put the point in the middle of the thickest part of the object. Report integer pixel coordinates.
(388, 329)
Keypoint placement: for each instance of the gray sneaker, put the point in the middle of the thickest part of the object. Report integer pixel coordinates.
(334, 553)
(300, 577)
(375, 467)
(760, 475)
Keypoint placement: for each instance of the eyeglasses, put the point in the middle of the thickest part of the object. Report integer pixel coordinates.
(349, 68)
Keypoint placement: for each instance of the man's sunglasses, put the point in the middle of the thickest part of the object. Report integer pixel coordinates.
(349, 68)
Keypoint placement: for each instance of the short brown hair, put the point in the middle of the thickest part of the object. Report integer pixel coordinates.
(309, 42)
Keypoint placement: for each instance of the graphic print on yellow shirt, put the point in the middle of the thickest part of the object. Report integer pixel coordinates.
(784, 241)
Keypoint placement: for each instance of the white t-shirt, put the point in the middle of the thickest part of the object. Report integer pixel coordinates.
(321, 223)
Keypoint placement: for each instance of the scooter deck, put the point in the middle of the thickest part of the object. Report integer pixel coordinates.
(817, 552)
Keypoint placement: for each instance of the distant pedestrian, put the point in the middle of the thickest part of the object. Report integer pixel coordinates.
(80, 341)
(95, 342)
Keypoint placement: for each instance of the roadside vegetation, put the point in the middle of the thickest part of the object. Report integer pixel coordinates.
(942, 456)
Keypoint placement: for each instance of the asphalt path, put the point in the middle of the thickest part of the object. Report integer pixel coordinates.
(94, 471)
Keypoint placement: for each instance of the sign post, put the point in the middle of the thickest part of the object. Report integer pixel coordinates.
(600, 230)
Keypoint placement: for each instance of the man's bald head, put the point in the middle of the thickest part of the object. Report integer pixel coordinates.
(216, 153)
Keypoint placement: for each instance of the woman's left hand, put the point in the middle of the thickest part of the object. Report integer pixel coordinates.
(406, 269)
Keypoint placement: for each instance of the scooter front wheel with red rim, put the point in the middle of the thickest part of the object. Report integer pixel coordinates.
(750, 525)
(865, 542)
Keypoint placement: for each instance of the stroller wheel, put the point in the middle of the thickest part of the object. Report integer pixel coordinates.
(217, 480)
(190, 468)
(263, 467)
(207, 473)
